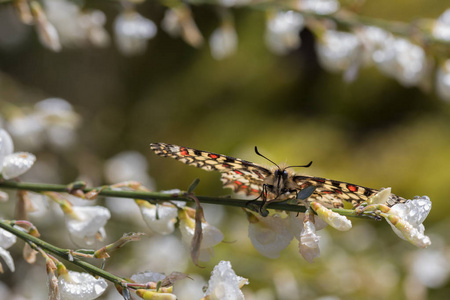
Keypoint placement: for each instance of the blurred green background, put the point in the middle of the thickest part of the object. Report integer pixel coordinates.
(373, 132)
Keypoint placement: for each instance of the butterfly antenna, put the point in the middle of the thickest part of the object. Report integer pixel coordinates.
(304, 166)
(257, 152)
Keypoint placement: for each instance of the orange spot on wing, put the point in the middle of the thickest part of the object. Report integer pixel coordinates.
(213, 156)
(352, 188)
(184, 152)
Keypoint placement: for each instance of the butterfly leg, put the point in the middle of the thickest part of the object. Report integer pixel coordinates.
(261, 209)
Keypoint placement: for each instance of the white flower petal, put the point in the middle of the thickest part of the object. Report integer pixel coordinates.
(322, 7)
(441, 29)
(283, 31)
(223, 42)
(17, 163)
(309, 242)
(132, 32)
(81, 286)
(6, 145)
(7, 239)
(165, 224)
(270, 235)
(337, 50)
(333, 219)
(87, 221)
(7, 258)
(224, 283)
(381, 197)
(413, 211)
(148, 276)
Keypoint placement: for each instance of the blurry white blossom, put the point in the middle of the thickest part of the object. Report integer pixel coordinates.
(211, 235)
(85, 223)
(269, 235)
(443, 80)
(80, 286)
(52, 120)
(375, 41)
(178, 21)
(321, 7)
(13, 164)
(380, 197)
(283, 31)
(403, 60)
(224, 283)
(441, 28)
(7, 239)
(337, 50)
(230, 3)
(223, 41)
(132, 31)
(128, 165)
(431, 267)
(77, 27)
(159, 218)
(406, 220)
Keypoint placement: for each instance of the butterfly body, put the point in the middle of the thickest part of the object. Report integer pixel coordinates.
(271, 185)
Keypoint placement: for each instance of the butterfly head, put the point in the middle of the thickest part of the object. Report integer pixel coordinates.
(279, 183)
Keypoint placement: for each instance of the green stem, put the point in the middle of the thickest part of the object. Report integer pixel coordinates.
(162, 197)
(62, 253)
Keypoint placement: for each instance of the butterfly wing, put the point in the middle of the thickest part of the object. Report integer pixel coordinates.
(333, 193)
(239, 175)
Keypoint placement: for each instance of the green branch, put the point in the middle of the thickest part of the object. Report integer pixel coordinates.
(158, 196)
(62, 253)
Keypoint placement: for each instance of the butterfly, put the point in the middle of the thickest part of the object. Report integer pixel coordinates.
(271, 184)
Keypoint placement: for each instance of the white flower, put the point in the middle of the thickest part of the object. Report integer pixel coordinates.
(283, 31)
(211, 236)
(132, 32)
(406, 220)
(77, 27)
(441, 28)
(224, 284)
(270, 235)
(403, 60)
(13, 164)
(333, 219)
(381, 197)
(7, 239)
(80, 286)
(443, 80)
(85, 223)
(337, 51)
(309, 242)
(223, 41)
(161, 218)
(321, 7)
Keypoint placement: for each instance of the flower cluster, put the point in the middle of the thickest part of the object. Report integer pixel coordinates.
(63, 24)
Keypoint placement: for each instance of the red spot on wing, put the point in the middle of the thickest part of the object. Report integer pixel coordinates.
(321, 180)
(237, 172)
(184, 152)
(238, 182)
(244, 186)
(213, 156)
(339, 191)
(226, 165)
(352, 188)
(327, 192)
(255, 191)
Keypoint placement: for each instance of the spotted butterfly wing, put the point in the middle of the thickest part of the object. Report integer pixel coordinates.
(332, 193)
(251, 179)
(241, 176)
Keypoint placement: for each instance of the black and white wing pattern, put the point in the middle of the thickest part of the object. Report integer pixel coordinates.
(241, 176)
